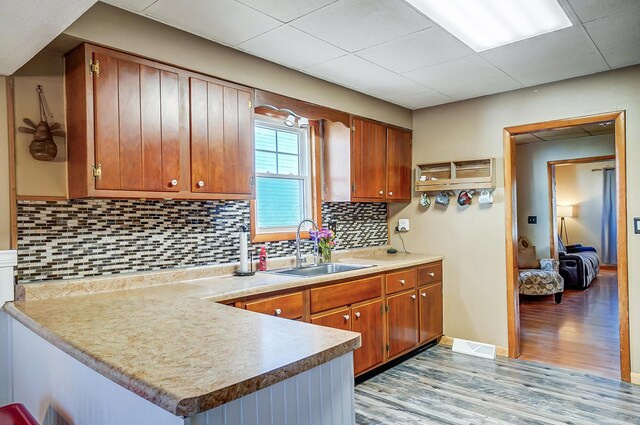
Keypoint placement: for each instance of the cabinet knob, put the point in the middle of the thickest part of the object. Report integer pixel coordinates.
(278, 312)
(200, 183)
(173, 183)
(432, 274)
(381, 192)
(402, 282)
(357, 314)
(424, 295)
(390, 193)
(413, 297)
(346, 317)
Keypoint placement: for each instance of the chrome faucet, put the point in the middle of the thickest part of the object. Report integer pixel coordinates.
(316, 259)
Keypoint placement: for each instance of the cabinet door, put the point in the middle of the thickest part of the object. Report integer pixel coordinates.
(136, 124)
(398, 164)
(402, 322)
(367, 319)
(221, 139)
(340, 319)
(369, 160)
(430, 312)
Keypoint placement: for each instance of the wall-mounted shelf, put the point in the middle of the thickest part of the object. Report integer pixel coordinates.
(456, 175)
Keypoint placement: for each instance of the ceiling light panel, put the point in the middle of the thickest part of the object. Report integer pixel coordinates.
(485, 24)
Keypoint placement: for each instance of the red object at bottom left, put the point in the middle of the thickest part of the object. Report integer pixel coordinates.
(16, 414)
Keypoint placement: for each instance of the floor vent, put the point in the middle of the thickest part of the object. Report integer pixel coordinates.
(471, 348)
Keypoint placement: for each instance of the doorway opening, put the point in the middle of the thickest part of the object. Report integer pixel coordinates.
(613, 282)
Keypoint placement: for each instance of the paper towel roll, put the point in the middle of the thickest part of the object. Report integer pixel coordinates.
(242, 235)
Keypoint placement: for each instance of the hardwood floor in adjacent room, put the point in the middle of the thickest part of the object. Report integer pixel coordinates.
(439, 386)
(581, 333)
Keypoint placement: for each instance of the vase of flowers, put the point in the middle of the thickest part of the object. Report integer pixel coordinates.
(325, 238)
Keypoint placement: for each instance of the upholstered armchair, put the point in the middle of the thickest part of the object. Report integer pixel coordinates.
(543, 281)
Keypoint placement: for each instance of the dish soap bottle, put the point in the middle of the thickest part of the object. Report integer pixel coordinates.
(263, 259)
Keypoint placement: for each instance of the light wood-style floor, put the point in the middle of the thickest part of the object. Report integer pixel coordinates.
(438, 386)
(580, 333)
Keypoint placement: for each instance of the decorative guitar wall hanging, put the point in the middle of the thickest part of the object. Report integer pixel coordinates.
(42, 147)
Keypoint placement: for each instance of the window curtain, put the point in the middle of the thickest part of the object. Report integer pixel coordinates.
(609, 222)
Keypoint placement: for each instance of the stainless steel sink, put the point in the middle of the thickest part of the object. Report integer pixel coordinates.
(322, 269)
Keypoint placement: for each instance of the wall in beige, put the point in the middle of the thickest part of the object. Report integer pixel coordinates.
(5, 223)
(533, 185)
(113, 27)
(40, 178)
(473, 240)
(577, 185)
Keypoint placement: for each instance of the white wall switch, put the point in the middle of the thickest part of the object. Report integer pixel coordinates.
(403, 225)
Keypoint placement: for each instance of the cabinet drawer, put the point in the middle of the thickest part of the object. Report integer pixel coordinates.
(340, 319)
(430, 273)
(333, 296)
(288, 306)
(398, 281)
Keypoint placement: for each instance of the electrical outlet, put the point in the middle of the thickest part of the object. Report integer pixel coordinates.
(403, 225)
(532, 219)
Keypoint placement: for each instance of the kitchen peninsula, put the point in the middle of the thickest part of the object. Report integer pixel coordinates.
(182, 354)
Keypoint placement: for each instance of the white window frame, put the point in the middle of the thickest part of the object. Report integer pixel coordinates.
(304, 165)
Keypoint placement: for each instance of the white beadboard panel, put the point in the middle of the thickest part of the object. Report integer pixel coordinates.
(8, 260)
(6, 376)
(58, 389)
(323, 395)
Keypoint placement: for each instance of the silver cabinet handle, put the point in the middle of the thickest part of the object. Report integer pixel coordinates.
(424, 295)
(390, 193)
(357, 314)
(381, 192)
(200, 183)
(346, 317)
(402, 282)
(413, 297)
(173, 183)
(432, 274)
(278, 312)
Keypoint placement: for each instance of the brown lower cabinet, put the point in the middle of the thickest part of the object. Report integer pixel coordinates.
(399, 310)
(402, 322)
(430, 312)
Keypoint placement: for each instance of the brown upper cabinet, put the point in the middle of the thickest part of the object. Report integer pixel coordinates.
(221, 138)
(369, 163)
(129, 130)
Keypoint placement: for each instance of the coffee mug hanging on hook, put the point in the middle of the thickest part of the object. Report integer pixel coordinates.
(42, 147)
(425, 201)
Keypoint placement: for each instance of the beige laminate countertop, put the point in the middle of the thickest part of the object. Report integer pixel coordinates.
(174, 346)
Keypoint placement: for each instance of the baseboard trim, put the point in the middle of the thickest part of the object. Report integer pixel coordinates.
(635, 378)
(447, 341)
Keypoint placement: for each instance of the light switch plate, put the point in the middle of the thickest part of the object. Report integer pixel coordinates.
(403, 225)
(636, 225)
(532, 219)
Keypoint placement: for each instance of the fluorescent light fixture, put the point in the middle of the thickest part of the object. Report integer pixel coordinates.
(485, 24)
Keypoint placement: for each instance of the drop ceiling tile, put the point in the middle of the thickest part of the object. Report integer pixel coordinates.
(286, 10)
(357, 24)
(361, 75)
(550, 57)
(563, 133)
(590, 10)
(617, 37)
(417, 50)
(464, 78)
(224, 21)
(419, 100)
(291, 47)
(521, 139)
(135, 5)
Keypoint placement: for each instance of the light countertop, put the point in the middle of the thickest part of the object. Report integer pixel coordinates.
(173, 345)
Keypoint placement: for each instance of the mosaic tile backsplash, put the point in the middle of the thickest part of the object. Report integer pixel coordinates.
(81, 238)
